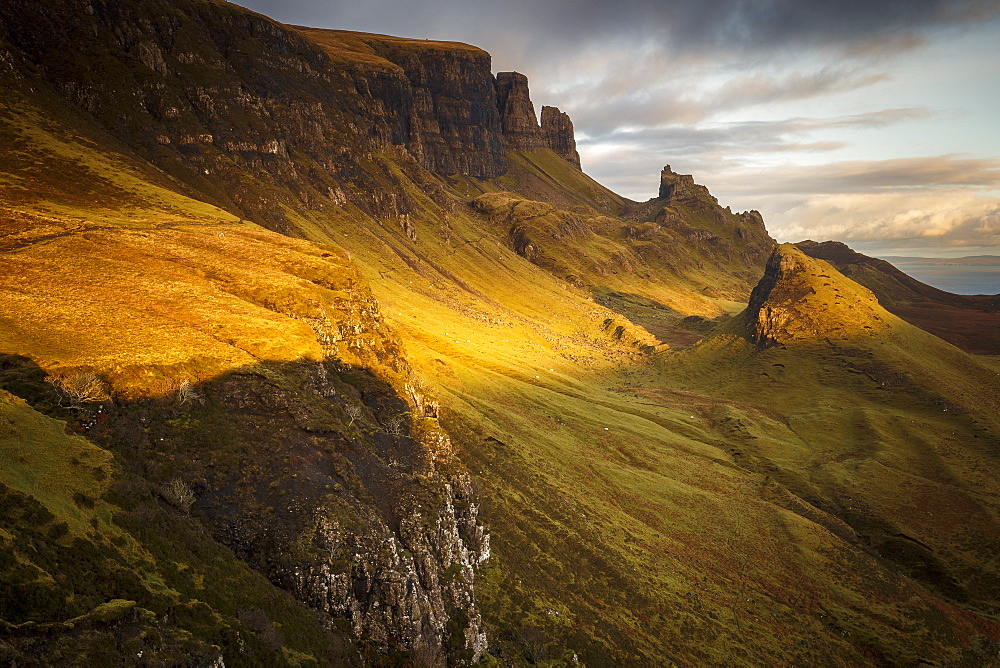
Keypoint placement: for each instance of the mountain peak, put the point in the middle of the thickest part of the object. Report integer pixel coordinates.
(801, 298)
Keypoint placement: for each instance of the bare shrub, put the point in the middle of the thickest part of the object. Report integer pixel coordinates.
(178, 494)
(354, 412)
(394, 425)
(83, 387)
(535, 643)
(186, 393)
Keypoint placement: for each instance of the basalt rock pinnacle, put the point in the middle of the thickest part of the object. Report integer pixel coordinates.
(520, 125)
(676, 187)
(557, 129)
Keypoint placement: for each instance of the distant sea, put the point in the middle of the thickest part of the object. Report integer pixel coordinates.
(963, 276)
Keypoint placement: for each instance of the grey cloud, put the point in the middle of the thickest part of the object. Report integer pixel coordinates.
(743, 138)
(879, 175)
(731, 25)
(600, 106)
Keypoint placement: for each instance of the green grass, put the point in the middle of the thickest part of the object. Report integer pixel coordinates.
(88, 553)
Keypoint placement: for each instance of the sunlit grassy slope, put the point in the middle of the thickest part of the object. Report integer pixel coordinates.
(636, 512)
(971, 322)
(828, 500)
(631, 521)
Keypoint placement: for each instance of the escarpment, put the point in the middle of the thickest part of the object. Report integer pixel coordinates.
(260, 118)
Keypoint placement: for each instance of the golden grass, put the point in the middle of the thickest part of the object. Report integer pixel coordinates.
(371, 50)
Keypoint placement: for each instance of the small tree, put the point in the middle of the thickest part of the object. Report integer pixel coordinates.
(80, 388)
(178, 494)
(394, 425)
(354, 412)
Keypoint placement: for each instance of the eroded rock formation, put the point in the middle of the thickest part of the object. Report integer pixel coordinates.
(520, 125)
(676, 187)
(557, 129)
(517, 113)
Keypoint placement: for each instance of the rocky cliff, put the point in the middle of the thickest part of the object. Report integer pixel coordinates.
(517, 113)
(438, 97)
(557, 129)
(258, 117)
(520, 125)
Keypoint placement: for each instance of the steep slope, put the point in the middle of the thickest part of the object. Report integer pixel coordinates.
(240, 374)
(971, 322)
(874, 421)
(96, 571)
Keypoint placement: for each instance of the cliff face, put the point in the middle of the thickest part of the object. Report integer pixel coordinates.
(212, 93)
(438, 98)
(517, 113)
(520, 125)
(557, 129)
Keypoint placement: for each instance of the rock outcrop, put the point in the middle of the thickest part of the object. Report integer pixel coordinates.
(517, 113)
(681, 188)
(800, 299)
(520, 125)
(557, 129)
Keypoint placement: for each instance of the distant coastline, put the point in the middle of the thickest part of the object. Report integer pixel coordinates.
(969, 261)
(974, 275)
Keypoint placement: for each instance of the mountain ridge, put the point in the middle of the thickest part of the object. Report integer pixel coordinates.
(971, 322)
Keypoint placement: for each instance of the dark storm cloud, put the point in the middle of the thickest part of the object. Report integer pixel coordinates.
(737, 25)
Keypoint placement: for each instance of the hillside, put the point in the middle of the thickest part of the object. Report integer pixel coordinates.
(971, 322)
(319, 348)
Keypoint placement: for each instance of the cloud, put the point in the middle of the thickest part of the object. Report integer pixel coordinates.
(735, 26)
(607, 99)
(946, 218)
(869, 176)
(729, 157)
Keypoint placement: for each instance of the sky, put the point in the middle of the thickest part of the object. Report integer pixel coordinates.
(875, 123)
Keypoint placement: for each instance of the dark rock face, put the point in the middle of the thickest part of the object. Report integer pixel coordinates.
(557, 129)
(517, 113)
(442, 108)
(681, 188)
(520, 125)
(210, 93)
